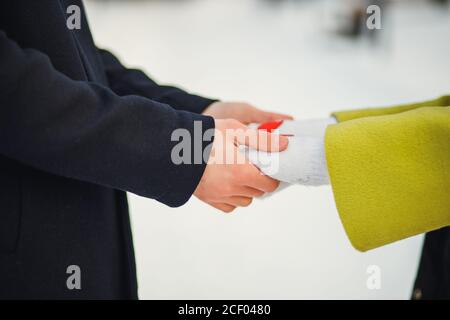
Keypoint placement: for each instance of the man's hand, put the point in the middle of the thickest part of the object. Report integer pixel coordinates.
(226, 185)
(243, 112)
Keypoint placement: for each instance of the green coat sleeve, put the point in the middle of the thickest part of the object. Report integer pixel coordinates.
(390, 171)
(370, 112)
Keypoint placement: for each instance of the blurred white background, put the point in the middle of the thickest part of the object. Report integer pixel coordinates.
(279, 55)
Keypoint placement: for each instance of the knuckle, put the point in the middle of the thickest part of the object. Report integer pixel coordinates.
(233, 178)
(249, 172)
(227, 189)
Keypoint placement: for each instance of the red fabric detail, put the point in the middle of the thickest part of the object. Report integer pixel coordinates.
(270, 126)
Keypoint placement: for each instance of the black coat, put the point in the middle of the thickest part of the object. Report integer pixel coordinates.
(77, 129)
(433, 278)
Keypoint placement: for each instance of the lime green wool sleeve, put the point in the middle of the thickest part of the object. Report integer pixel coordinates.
(370, 112)
(390, 171)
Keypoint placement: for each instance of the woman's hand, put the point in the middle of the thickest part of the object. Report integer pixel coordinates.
(243, 112)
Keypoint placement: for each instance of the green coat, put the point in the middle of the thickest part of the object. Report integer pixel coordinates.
(390, 171)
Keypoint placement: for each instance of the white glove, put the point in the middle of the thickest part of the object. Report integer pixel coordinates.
(303, 162)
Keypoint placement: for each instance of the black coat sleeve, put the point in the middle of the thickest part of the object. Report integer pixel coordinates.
(85, 131)
(126, 81)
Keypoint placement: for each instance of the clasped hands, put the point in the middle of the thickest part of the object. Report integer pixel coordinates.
(228, 185)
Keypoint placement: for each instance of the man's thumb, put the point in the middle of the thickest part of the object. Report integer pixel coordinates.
(262, 140)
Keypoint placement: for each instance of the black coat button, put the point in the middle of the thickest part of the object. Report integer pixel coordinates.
(417, 294)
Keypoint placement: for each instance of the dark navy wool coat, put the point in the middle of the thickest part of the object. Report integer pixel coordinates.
(77, 130)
